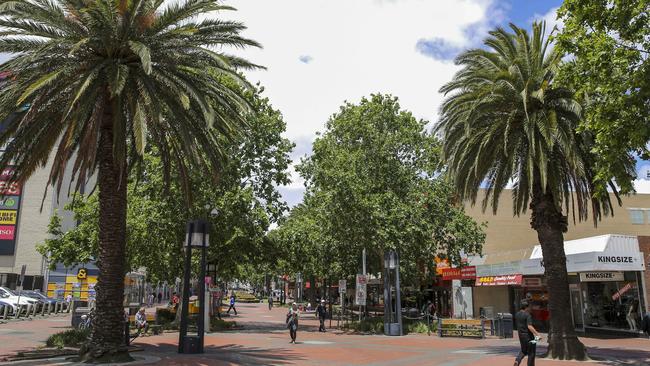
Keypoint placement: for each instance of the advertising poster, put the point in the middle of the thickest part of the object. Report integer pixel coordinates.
(10, 194)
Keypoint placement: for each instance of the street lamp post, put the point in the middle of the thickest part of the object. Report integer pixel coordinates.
(197, 236)
(392, 310)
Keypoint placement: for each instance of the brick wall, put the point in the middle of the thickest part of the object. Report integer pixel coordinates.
(644, 246)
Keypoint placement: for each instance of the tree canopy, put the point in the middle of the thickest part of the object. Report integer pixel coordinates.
(245, 198)
(609, 46)
(373, 182)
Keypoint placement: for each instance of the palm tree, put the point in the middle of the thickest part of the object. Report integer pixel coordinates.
(507, 122)
(101, 79)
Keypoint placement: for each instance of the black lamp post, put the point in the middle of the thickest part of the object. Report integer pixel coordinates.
(197, 236)
(392, 306)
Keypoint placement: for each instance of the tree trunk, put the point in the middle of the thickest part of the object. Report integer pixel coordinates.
(550, 224)
(107, 337)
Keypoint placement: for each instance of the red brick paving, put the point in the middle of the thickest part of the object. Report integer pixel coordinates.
(264, 341)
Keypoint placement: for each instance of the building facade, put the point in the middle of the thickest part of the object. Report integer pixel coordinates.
(606, 265)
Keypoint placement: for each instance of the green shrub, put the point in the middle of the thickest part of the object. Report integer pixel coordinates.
(165, 315)
(369, 325)
(217, 324)
(68, 338)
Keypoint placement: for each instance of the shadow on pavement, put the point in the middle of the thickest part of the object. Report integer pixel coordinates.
(227, 354)
(613, 356)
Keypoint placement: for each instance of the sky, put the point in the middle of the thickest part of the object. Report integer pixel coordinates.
(321, 53)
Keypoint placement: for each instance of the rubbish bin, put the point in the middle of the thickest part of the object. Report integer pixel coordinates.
(133, 308)
(506, 325)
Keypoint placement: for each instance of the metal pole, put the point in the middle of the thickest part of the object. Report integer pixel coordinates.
(398, 304)
(201, 318)
(186, 291)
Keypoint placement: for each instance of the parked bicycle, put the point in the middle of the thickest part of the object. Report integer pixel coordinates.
(87, 320)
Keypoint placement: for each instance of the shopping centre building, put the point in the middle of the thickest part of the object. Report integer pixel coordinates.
(606, 265)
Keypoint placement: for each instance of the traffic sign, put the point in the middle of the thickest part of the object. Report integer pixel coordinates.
(342, 286)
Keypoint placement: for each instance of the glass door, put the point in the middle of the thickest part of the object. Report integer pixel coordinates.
(576, 309)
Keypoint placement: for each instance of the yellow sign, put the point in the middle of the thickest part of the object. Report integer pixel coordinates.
(8, 217)
(81, 274)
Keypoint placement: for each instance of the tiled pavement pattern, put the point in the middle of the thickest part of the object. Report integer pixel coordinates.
(265, 341)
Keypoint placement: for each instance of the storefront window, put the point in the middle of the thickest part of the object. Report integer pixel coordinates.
(612, 304)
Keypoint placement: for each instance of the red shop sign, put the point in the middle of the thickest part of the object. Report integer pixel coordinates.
(465, 273)
(499, 280)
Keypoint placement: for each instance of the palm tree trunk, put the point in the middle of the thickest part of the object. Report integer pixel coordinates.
(107, 338)
(550, 224)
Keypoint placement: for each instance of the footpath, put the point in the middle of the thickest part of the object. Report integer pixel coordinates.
(264, 340)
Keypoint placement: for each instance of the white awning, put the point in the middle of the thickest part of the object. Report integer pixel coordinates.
(597, 253)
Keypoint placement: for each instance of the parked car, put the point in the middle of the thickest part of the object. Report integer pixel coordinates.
(4, 303)
(15, 299)
(35, 294)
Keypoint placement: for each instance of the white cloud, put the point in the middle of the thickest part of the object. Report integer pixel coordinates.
(550, 18)
(354, 48)
(357, 47)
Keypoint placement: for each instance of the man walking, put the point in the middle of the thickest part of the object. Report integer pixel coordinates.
(270, 300)
(528, 335)
(321, 311)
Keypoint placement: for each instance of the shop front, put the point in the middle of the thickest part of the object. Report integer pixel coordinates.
(605, 284)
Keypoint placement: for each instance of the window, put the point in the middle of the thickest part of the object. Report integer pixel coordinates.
(637, 216)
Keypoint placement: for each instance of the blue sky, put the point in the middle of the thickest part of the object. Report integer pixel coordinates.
(321, 53)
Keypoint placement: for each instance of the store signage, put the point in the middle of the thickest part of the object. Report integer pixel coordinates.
(601, 276)
(342, 286)
(623, 290)
(499, 280)
(465, 273)
(10, 192)
(615, 259)
(532, 282)
(82, 274)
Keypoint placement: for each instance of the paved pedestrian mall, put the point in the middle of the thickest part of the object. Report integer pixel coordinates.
(263, 340)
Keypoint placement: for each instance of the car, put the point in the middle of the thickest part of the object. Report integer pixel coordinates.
(35, 294)
(6, 303)
(15, 298)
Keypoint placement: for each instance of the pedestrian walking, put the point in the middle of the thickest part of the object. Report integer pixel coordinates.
(160, 297)
(322, 312)
(292, 322)
(232, 304)
(270, 301)
(528, 335)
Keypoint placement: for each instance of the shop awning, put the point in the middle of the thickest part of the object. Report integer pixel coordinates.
(597, 253)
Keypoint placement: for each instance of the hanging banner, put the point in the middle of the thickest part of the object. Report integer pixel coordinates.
(499, 280)
(360, 298)
(465, 273)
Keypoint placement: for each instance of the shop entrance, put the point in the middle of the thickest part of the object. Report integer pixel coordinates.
(576, 309)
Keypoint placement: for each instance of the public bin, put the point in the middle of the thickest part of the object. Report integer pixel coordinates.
(506, 325)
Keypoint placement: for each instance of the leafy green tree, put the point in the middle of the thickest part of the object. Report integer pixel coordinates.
(101, 80)
(507, 122)
(610, 71)
(372, 183)
(246, 199)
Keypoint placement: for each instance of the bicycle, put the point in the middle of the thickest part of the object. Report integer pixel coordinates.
(87, 320)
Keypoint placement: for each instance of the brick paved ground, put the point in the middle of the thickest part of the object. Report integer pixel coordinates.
(264, 341)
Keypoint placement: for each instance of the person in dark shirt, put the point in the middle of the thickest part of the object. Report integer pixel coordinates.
(528, 335)
(321, 312)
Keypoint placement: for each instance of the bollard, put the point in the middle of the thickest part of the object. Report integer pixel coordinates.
(5, 312)
(45, 308)
(57, 307)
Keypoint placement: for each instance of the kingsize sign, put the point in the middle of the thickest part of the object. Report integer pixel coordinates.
(601, 276)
